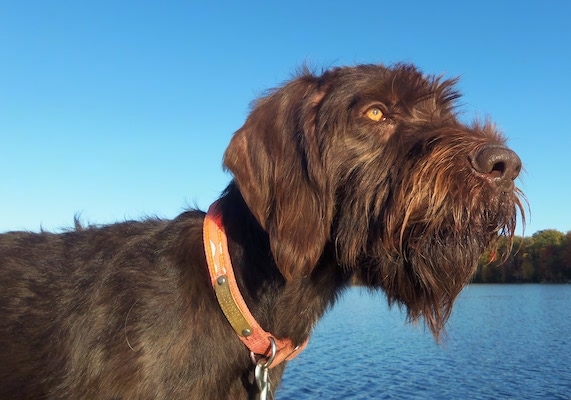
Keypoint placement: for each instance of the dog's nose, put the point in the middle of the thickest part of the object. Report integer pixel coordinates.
(499, 163)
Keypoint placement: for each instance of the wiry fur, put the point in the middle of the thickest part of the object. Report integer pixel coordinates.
(321, 194)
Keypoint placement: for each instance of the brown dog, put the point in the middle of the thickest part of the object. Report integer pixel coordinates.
(362, 172)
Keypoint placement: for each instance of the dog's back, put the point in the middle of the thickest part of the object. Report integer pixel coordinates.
(102, 312)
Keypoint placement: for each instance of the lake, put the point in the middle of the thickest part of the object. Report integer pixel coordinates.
(503, 342)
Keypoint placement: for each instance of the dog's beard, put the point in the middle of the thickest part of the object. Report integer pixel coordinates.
(423, 254)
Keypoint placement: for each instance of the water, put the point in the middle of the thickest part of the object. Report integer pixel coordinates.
(504, 342)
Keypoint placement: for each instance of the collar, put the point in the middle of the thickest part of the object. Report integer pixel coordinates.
(256, 339)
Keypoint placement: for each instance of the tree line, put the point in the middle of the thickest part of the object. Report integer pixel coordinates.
(543, 257)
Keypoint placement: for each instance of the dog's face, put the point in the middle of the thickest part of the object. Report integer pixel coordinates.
(374, 161)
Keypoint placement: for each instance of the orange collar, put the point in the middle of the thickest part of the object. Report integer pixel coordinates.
(258, 341)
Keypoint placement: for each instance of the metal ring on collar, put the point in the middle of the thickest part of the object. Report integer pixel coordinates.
(267, 362)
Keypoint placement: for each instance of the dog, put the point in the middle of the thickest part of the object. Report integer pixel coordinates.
(357, 174)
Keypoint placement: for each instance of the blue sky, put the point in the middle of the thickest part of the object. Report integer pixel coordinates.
(122, 109)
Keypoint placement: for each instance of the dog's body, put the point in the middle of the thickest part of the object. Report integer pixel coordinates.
(361, 172)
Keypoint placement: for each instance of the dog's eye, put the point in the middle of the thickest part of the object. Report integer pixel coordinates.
(375, 114)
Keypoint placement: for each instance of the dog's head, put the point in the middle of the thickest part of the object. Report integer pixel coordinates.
(374, 161)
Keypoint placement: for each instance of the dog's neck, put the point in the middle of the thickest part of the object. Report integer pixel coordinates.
(264, 289)
(259, 342)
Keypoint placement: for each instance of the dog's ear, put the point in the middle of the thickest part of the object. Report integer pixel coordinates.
(276, 162)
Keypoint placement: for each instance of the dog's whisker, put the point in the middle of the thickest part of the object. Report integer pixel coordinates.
(126, 319)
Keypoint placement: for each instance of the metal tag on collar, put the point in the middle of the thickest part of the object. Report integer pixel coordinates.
(229, 307)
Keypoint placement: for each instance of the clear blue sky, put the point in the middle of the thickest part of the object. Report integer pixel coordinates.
(123, 109)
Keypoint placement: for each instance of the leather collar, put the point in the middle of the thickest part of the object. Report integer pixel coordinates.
(256, 339)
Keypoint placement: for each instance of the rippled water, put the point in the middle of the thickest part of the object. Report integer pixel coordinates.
(504, 342)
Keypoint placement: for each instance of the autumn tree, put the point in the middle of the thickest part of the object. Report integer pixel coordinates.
(543, 257)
